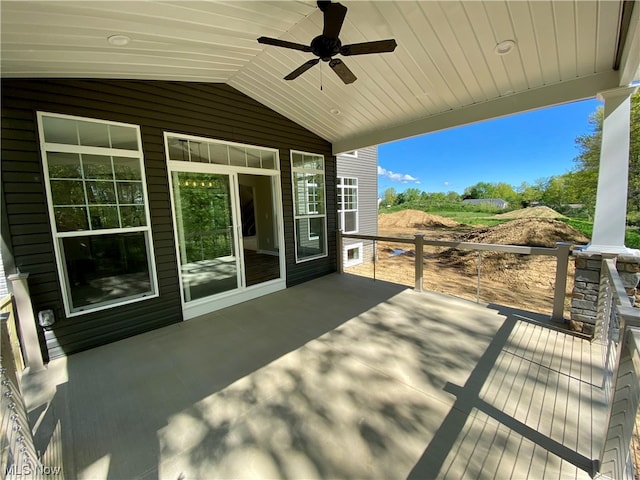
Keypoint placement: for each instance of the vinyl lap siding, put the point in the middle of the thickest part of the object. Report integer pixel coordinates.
(364, 167)
(215, 111)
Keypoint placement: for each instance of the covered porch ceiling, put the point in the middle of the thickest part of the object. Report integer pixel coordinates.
(446, 71)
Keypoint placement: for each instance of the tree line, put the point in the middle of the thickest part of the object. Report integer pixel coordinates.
(572, 193)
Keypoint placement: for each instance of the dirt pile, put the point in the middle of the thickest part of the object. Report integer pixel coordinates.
(509, 267)
(532, 232)
(414, 219)
(532, 212)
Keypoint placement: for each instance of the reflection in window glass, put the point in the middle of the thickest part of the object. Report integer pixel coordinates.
(126, 168)
(97, 166)
(104, 268)
(67, 192)
(93, 134)
(237, 156)
(70, 219)
(60, 130)
(64, 165)
(101, 192)
(103, 217)
(125, 138)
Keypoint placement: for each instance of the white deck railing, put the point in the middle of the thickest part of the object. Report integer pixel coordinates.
(561, 252)
(18, 457)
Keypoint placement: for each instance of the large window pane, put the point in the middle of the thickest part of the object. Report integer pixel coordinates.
(310, 236)
(103, 217)
(97, 166)
(130, 193)
(125, 138)
(101, 192)
(71, 219)
(64, 165)
(94, 134)
(127, 168)
(199, 152)
(103, 268)
(60, 130)
(67, 192)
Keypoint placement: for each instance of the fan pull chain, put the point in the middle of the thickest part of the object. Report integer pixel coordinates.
(321, 76)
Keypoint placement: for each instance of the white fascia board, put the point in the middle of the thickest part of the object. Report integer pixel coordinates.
(556, 94)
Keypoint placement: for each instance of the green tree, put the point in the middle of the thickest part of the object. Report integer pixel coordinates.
(411, 195)
(584, 178)
(390, 196)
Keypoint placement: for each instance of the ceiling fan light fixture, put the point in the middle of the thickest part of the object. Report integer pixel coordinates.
(118, 40)
(504, 47)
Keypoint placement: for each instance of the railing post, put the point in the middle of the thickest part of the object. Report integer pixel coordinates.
(340, 247)
(26, 322)
(419, 243)
(562, 265)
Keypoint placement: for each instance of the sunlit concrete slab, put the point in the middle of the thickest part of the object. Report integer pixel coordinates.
(341, 377)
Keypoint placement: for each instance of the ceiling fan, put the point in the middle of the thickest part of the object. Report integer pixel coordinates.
(326, 45)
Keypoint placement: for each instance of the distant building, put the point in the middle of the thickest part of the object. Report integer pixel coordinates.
(491, 202)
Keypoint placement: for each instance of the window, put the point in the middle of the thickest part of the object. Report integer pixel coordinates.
(97, 200)
(307, 172)
(200, 150)
(348, 204)
(353, 254)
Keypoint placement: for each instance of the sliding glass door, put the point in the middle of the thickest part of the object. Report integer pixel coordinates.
(206, 226)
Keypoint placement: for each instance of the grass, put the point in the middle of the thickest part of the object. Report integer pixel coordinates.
(485, 217)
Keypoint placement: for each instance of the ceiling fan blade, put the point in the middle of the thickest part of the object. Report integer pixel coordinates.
(301, 69)
(342, 71)
(334, 14)
(379, 46)
(283, 43)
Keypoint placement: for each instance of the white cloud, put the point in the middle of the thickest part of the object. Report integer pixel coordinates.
(446, 184)
(397, 177)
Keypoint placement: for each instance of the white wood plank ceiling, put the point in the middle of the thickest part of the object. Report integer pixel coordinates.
(444, 72)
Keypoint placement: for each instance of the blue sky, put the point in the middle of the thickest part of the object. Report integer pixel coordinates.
(515, 149)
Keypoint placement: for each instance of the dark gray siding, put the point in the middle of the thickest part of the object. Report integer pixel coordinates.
(364, 167)
(215, 111)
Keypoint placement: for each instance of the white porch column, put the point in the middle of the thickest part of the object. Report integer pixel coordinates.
(613, 177)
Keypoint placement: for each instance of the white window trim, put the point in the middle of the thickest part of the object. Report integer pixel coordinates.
(353, 246)
(46, 147)
(341, 212)
(350, 154)
(296, 217)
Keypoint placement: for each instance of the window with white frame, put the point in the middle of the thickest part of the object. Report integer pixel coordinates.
(348, 204)
(352, 153)
(309, 209)
(97, 199)
(353, 254)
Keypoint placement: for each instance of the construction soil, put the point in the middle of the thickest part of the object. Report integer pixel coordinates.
(521, 281)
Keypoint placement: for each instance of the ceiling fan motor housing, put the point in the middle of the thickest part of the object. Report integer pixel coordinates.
(325, 47)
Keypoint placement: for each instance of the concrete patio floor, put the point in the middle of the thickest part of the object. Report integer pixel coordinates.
(341, 377)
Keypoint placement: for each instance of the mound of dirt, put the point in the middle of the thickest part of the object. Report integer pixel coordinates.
(532, 232)
(414, 219)
(532, 212)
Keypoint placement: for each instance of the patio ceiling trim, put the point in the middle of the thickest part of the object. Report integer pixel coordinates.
(565, 92)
